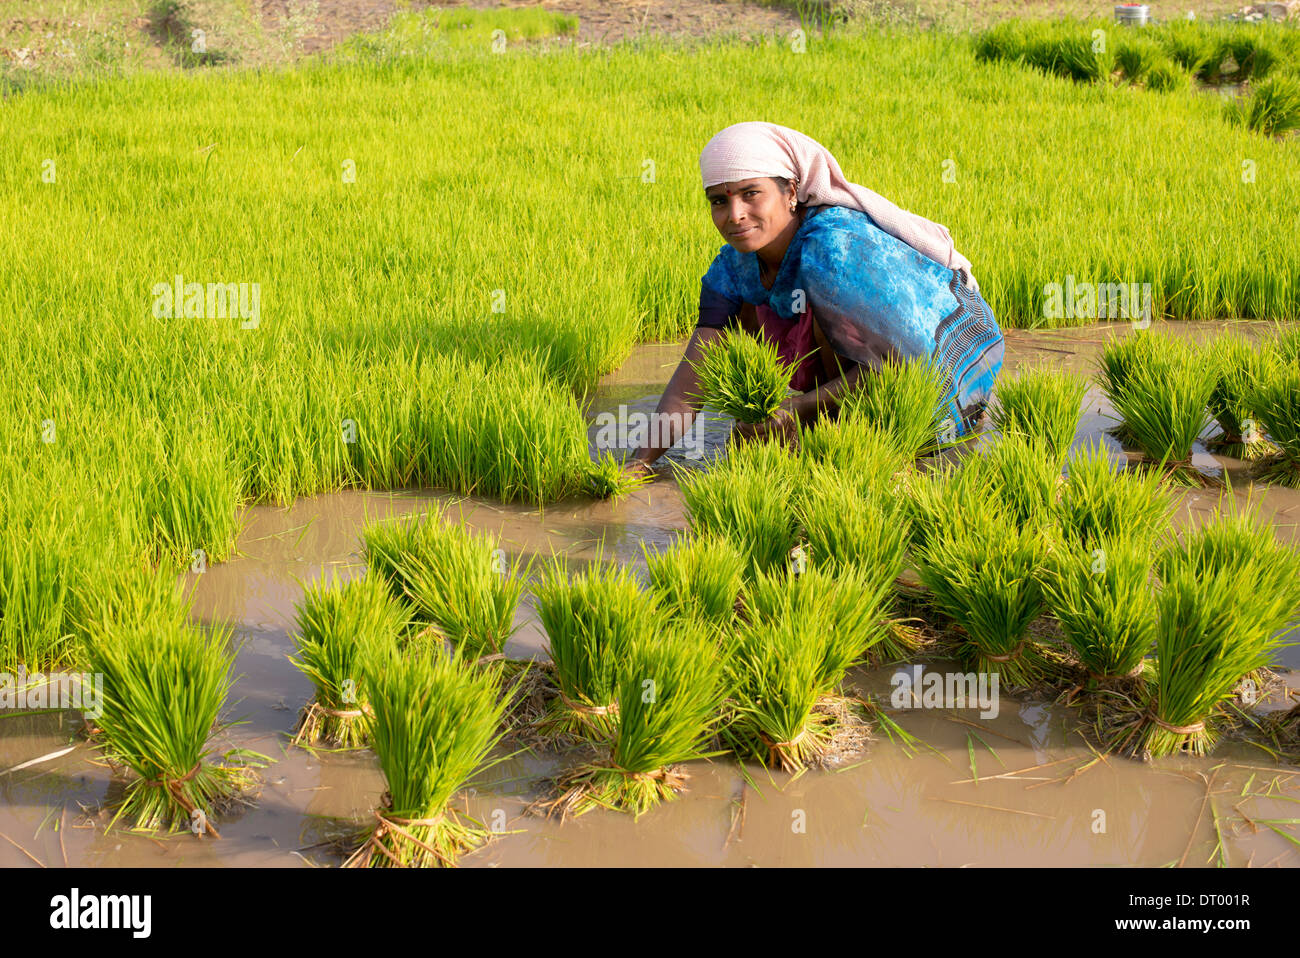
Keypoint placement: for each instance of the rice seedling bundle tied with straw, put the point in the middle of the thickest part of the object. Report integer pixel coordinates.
(458, 583)
(700, 577)
(436, 719)
(1161, 391)
(338, 626)
(1275, 397)
(670, 690)
(905, 399)
(1100, 500)
(591, 618)
(742, 376)
(1041, 404)
(164, 686)
(1226, 591)
(1237, 372)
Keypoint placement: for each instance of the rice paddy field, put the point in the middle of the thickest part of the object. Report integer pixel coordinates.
(305, 364)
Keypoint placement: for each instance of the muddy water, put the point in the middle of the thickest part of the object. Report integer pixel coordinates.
(1031, 794)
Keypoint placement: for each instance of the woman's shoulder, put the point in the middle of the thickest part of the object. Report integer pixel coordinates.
(828, 219)
(723, 275)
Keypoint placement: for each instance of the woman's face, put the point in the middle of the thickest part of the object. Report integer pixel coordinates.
(750, 214)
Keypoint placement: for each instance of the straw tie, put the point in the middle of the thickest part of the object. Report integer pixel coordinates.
(393, 825)
(610, 709)
(173, 786)
(1176, 729)
(1009, 656)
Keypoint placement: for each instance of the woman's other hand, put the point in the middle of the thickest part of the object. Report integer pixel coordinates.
(782, 424)
(638, 469)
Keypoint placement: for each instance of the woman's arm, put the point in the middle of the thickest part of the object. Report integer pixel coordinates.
(805, 406)
(675, 403)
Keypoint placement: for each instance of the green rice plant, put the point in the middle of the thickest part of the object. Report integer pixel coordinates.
(1161, 398)
(1272, 107)
(747, 498)
(1136, 55)
(1166, 76)
(164, 686)
(591, 618)
(670, 692)
(1020, 472)
(699, 577)
(191, 497)
(983, 571)
(854, 448)
(1253, 51)
(1100, 501)
(1228, 591)
(742, 376)
(605, 478)
(1188, 44)
(1070, 52)
(905, 399)
(436, 719)
(1237, 369)
(1283, 345)
(845, 608)
(338, 627)
(1041, 404)
(1103, 598)
(1116, 361)
(1275, 398)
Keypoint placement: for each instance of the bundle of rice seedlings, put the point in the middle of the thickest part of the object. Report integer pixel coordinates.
(1227, 591)
(847, 606)
(747, 498)
(591, 618)
(1118, 356)
(457, 582)
(1102, 596)
(1237, 368)
(1100, 500)
(1041, 404)
(847, 533)
(1161, 395)
(1136, 56)
(1284, 344)
(698, 577)
(1272, 106)
(1275, 397)
(164, 685)
(1253, 52)
(1188, 45)
(855, 448)
(905, 399)
(605, 478)
(670, 691)
(1165, 76)
(742, 376)
(338, 625)
(983, 570)
(436, 719)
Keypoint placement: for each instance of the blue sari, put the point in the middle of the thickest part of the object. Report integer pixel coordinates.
(873, 296)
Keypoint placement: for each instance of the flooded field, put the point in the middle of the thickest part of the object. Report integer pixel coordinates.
(1016, 789)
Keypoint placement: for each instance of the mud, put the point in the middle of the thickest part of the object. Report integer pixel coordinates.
(1018, 788)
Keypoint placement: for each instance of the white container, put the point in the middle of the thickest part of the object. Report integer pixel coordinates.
(1133, 14)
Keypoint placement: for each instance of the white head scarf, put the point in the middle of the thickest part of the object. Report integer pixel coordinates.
(746, 150)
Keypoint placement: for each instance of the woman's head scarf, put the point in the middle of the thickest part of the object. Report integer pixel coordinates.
(746, 150)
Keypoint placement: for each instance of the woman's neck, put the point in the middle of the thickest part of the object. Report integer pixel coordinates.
(772, 255)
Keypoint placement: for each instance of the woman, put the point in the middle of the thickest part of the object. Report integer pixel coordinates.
(824, 266)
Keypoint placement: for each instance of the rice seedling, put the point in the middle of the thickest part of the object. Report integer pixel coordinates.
(905, 399)
(1241, 55)
(699, 577)
(983, 571)
(605, 478)
(591, 618)
(436, 719)
(854, 448)
(1041, 404)
(1166, 76)
(1019, 472)
(338, 626)
(846, 607)
(1284, 345)
(1103, 598)
(670, 690)
(457, 582)
(1272, 107)
(1275, 398)
(742, 376)
(1136, 56)
(190, 500)
(1160, 391)
(1237, 369)
(164, 685)
(1100, 501)
(1188, 45)
(747, 498)
(1227, 591)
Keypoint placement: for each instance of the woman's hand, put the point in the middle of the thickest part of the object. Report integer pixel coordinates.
(783, 424)
(638, 469)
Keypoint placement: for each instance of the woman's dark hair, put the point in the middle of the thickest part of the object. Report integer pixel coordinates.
(783, 184)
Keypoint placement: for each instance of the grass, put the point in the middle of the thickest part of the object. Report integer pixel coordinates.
(742, 376)
(164, 687)
(1100, 501)
(1041, 404)
(436, 720)
(905, 400)
(670, 692)
(338, 627)
(1103, 598)
(748, 499)
(1161, 391)
(698, 577)
(591, 619)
